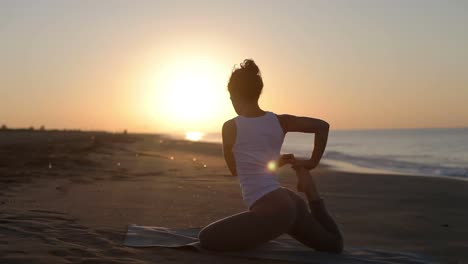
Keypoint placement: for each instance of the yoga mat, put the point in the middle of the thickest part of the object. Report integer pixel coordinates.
(284, 248)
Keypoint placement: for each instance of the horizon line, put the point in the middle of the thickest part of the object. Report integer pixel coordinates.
(52, 129)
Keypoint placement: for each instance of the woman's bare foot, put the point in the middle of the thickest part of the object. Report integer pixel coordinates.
(306, 184)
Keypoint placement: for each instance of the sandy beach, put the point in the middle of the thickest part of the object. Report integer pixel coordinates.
(67, 197)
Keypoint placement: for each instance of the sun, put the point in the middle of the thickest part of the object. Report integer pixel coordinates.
(190, 92)
(193, 135)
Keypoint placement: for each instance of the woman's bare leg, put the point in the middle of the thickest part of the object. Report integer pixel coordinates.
(314, 228)
(271, 216)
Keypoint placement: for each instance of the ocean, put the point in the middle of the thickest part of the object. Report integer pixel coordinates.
(430, 152)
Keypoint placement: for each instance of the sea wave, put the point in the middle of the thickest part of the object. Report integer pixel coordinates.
(399, 166)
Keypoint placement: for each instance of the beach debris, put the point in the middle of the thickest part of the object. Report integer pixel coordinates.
(161, 141)
(50, 165)
(204, 166)
(118, 163)
(194, 159)
(171, 157)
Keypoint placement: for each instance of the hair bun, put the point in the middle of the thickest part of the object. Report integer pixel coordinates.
(246, 81)
(250, 67)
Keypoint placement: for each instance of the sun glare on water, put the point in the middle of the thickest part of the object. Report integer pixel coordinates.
(193, 136)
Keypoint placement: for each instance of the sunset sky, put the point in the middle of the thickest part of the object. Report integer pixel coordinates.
(150, 66)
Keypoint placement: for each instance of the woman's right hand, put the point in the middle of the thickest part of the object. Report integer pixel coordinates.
(286, 159)
(307, 164)
(295, 163)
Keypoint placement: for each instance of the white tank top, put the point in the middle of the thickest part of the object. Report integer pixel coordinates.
(258, 142)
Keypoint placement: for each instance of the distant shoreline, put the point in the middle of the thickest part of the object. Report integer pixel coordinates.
(334, 165)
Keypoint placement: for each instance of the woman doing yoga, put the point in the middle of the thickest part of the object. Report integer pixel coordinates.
(251, 142)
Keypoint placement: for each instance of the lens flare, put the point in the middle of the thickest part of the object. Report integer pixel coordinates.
(272, 165)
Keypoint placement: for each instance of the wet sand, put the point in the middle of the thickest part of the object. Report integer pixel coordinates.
(67, 197)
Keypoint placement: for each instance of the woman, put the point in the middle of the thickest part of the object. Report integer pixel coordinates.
(251, 141)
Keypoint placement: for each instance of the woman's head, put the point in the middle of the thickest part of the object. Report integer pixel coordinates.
(245, 84)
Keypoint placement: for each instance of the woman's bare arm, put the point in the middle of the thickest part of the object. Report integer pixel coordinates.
(229, 138)
(319, 127)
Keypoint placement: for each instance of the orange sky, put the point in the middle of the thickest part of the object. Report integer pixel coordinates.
(157, 67)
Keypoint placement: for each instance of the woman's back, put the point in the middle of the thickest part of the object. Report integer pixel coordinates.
(258, 142)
